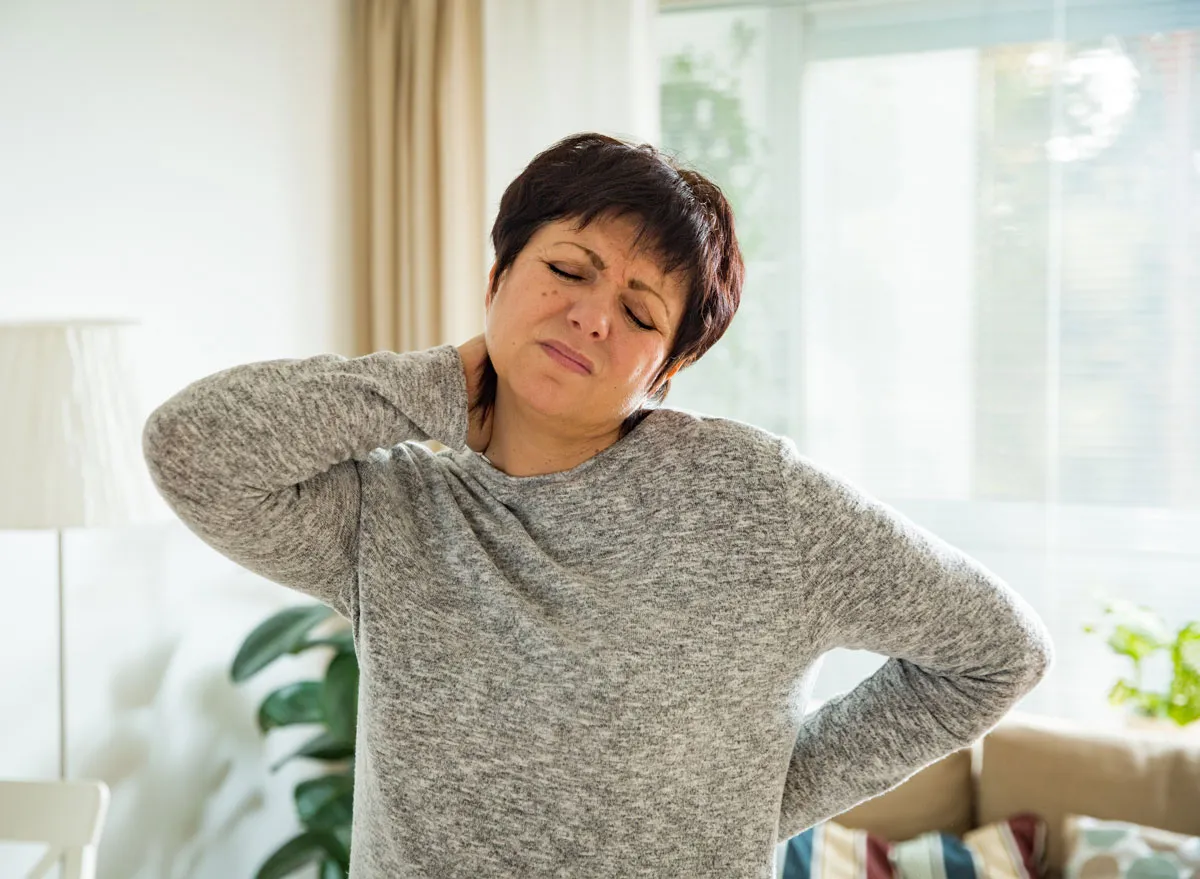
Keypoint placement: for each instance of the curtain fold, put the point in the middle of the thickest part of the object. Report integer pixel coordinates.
(422, 177)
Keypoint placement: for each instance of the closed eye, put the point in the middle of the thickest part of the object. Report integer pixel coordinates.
(633, 317)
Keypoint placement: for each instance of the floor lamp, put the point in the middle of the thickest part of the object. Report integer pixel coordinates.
(70, 441)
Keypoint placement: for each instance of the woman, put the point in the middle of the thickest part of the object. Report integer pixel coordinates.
(588, 628)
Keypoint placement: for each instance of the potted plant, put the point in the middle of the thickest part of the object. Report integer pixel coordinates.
(1137, 632)
(323, 802)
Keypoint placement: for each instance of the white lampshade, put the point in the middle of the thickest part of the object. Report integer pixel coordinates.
(70, 426)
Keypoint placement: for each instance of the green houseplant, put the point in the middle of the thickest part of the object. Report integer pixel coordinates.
(1137, 632)
(324, 801)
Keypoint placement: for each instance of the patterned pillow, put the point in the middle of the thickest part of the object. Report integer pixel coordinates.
(1011, 849)
(1097, 849)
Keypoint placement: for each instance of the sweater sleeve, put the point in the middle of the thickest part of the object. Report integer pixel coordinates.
(261, 460)
(963, 646)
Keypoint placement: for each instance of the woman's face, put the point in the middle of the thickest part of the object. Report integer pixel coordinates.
(588, 291)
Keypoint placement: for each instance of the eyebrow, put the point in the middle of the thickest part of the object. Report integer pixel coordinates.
(634, 283)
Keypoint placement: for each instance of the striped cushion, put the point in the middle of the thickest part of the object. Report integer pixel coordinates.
(1012, 849)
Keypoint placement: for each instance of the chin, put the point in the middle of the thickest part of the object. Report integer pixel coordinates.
(554, 402)
(544, 392)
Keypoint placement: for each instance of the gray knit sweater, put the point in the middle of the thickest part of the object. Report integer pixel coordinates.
(600, 672)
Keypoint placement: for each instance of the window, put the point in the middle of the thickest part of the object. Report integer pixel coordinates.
(972, 232)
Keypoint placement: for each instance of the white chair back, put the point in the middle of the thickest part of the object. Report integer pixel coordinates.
(68, 816)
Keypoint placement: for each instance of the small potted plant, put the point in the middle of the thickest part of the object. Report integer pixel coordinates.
(323, 802)
(1137, 632)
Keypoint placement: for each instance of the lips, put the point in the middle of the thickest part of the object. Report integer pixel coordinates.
(570, 352)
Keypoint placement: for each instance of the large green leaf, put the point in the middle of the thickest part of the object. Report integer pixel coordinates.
(285, 632)
(323, 747)
(333, 870)
(298, 702)
(326, 802)
(335, 814)
(311, 846)
(339, 696)
(342, 834)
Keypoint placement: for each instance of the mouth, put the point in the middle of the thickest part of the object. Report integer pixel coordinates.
(566, 358)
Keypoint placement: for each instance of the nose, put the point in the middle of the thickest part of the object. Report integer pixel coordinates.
(592, 309)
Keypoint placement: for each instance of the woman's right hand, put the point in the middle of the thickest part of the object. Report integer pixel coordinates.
(473, 353)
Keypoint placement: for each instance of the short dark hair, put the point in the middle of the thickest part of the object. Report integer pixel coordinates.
(682, 215)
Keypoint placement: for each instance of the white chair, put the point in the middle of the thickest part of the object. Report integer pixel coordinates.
(67, 816)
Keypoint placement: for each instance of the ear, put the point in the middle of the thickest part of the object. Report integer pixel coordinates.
(487, 295)
(666, 378)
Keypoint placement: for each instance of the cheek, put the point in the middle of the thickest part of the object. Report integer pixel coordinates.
(516, 317)
(546, 299)
(641, 357)
(527, 301)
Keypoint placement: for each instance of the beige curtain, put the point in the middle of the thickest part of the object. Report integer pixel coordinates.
(421, 173)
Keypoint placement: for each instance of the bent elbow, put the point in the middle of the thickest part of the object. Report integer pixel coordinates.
(1042, 657)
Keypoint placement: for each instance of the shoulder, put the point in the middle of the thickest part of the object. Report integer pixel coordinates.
(726, 443)
(753, 455)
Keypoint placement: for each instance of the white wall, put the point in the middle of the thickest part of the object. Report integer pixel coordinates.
(185, 163)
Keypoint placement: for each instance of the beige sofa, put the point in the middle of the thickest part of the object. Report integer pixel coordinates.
(1051, 767)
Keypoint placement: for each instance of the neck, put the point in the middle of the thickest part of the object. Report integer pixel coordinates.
(527, 443)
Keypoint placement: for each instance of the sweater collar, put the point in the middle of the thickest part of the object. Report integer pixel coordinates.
(603, 462)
